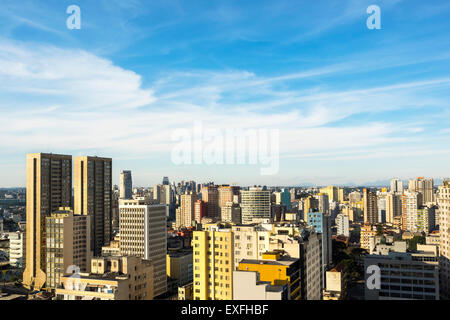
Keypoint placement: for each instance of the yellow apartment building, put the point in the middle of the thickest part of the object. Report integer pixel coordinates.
(213, 263)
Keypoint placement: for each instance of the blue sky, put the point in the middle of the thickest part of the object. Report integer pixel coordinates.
(352, 105)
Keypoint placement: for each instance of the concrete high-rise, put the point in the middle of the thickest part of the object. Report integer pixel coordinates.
(187, 209)
(255, 205)
(370, 207)
(322, 225)
(393, 206)
(49, 186)
(443, 200)
(323, 202)
(210, 195)
(143, 233)
(343, 225)
(226, 194)
(126, 185)
(424, 186)
(199, 210)
(381, 206)
(396, 185)
(412, 201)
(332, 192)
(67, 245)
(93, 197)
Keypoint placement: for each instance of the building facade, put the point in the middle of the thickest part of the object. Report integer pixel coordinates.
(143, 233)
(49, 187)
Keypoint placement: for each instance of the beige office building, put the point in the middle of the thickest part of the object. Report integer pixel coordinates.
(231, 212)
(143, 233)
(93, 197)
(393, 206)
(111, 278)
(210, 195)
(180, 266)
(186, 210)
(67, 245)
(226, 194)
(49, 187)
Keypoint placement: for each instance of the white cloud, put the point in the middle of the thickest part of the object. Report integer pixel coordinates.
(74, 78)
(63, 100)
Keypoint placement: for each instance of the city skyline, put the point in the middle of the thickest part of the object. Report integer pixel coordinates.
(352, 105)
(231, 181)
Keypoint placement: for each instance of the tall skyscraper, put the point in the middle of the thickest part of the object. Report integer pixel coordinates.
(210, 194)
(199, 210)
(354, 196)
(323, 202)
(226, 194)
(396, 185)
(412, 201)
(126, 185)
(393, 206)
(310, 203)
(443, 200)
(49, 187)
(343, 225)
(93, 197)
(283, 198)
(255, 205)
(424, 186)
(332, 192)
(143, 233)
(187, 209)
(370, 207)
(322, 225)
(381, 206)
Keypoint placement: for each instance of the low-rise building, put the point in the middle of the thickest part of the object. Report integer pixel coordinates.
(336, 283)
(180, 266)
(186, 292)
(248, 286)
(111, 278)
(278, 270)
(17, 245)
(404, 275)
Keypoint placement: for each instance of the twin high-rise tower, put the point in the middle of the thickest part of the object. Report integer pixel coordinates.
(49, 187)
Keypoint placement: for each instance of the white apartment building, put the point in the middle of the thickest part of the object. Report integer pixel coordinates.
(412, 202)
(250, 242)
(17, 243)
(255, 205)
(143, 233)
(343, 225)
